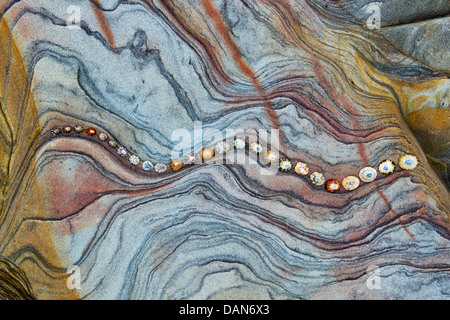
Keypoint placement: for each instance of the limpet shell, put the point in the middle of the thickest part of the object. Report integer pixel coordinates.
(270, 156)
(350, 183)
(317, 178)
(386, 166)
(408, 162)
(367, 174)
(285, 165)
(301, 168)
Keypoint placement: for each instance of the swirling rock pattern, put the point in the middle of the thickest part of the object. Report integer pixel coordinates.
(343, 97)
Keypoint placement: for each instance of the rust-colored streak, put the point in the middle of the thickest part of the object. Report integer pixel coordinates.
(188, 29)
(103, 22)
(317, 67)
(247, 71)
(407, 231)
(391, 210)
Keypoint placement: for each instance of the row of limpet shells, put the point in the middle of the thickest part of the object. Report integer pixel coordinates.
(367, 174)
(146, 165)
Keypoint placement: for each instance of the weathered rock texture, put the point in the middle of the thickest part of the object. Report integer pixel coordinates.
(343, 97)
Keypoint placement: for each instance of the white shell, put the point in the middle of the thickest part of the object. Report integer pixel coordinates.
(239, 144)
(122, 151)
(408, 162)
(134, 159)
(147, 165)
(367, 174)
(160, 167)
(256, 147)
(386, 167)
(222, 147)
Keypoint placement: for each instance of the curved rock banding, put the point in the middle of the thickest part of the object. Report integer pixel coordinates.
(338, 93)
